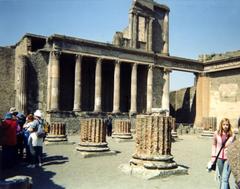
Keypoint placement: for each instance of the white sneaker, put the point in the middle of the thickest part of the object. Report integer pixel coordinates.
(31, 166)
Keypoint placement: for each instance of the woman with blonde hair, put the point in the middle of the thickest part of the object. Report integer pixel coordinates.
(222, 138)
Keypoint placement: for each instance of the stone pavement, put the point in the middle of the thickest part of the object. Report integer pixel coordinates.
(63, 167)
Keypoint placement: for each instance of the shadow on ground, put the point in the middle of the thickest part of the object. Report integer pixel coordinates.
(41, 178)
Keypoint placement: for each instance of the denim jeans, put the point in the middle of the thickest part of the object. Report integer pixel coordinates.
(224, 173)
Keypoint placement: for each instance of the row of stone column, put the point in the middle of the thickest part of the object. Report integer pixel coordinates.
(54, 82)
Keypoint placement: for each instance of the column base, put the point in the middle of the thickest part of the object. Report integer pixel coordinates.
(56, 138)
(207, 134)
(122, 135)
(84, 154)
(147, 174)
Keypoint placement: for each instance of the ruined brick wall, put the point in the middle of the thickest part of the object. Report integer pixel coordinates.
(225, 95)
(183, 105)
(7, 97)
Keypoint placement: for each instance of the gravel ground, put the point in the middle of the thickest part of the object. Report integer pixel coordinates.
(63, 167)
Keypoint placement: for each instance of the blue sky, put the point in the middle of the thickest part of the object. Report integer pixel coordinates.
(196, 27)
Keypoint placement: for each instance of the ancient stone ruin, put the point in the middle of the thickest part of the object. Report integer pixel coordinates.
(122, 129)
(57, 133)
(152, 156)
(93, 138)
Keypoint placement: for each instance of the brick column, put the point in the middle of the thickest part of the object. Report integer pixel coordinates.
(92, 135)
(21, 93)
(116, 90)
(149, 88)
(98, 86)
(57, 132)
(133, 108)
(122, 129)
(166, 86)
(55, 80)
(77, 84)
(153, 143)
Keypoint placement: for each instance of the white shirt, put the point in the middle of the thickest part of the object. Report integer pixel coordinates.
(34, 140)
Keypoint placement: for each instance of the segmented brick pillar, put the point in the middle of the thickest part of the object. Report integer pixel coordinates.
(122, 129)
(174, 129)
(153, 143)
(57, 132)
(93, 135)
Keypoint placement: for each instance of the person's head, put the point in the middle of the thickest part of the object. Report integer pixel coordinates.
(8, 116)
(38, 114)
(29, 118)
(225, 126)
(13, 111)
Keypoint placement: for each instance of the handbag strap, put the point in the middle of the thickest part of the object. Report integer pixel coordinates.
(223, 144)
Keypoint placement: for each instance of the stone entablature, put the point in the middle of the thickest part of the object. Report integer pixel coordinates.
(220, 65)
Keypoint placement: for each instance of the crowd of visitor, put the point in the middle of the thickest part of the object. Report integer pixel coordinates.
(21, 138)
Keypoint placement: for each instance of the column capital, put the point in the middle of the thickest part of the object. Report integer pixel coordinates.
(117, 61)
(78, 56)
(99, 59)
(167, 70)
(151, 66)
(56, 53)
(134, 64)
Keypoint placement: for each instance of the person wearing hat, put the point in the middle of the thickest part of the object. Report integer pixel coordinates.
(9, 153)
(35, 141)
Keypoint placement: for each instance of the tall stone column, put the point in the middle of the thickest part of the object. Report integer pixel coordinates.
(21, 93)
(166, 33)
(77, 84)
(116, 90)
(149, 88)
(133, 107)
(166, 89)
(150, 34)
(49, 81)
(55, 80)
(98, 86)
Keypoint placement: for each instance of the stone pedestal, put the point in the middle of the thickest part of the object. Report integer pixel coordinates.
(93, 138)
(57, 133)
(152, 156)
(122, 130)
(174, 129)
(209, 125)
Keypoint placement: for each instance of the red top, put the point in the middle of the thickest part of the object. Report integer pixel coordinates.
(10, 131)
